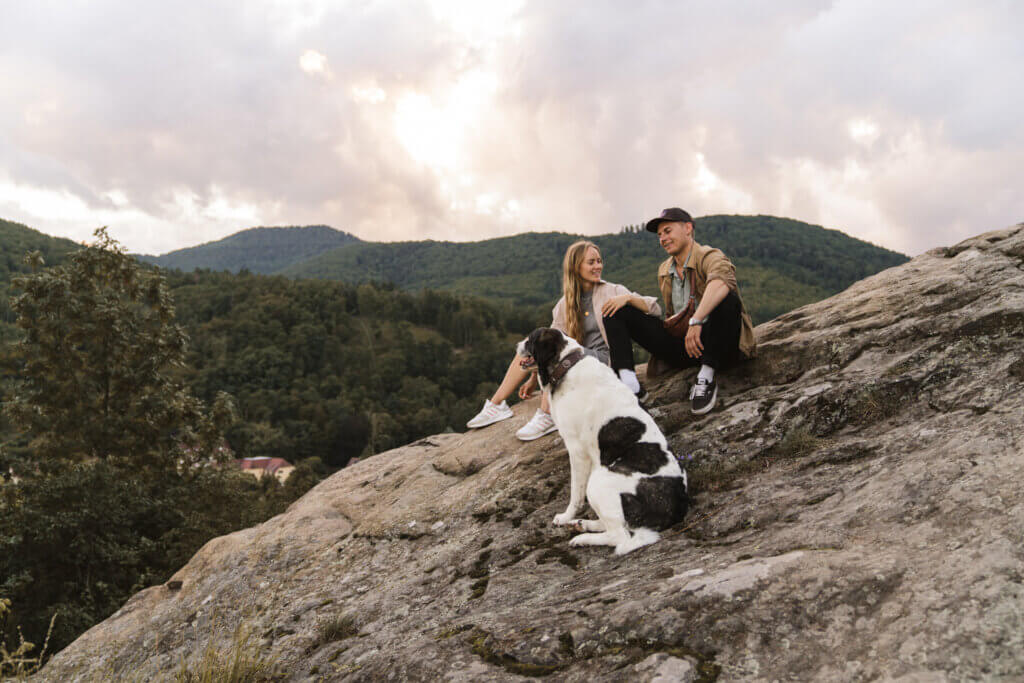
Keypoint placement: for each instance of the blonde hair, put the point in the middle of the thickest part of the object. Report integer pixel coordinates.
(571, 288)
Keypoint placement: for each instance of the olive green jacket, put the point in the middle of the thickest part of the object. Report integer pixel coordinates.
(709, 264)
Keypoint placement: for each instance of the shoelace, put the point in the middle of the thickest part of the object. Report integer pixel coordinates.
(700, 389)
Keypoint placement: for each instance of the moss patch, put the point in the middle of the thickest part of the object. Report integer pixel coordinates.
(559, 555)
(480, 646)
(447, 633)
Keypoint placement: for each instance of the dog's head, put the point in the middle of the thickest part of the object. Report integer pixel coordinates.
(541, 350)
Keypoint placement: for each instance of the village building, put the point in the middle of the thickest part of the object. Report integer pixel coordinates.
(265, 465)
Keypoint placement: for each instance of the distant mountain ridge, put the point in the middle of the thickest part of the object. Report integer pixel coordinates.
(781, 263)
(259, 250)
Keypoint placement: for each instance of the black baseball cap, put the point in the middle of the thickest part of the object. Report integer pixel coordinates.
(672, 215)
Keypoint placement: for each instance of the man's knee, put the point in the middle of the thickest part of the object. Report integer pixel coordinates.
(731, 304)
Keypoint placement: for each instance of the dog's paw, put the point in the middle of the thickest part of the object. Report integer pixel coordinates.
(564, 519)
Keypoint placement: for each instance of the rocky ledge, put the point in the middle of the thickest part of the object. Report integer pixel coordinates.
(858, 515)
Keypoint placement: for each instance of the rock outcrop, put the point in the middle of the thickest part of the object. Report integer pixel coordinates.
(858, 515)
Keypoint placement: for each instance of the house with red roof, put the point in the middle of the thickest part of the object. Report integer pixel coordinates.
(260, 466)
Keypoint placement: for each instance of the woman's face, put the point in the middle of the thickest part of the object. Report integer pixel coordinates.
(591, 267)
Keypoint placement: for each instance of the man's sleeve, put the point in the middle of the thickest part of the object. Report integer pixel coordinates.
(718, 267)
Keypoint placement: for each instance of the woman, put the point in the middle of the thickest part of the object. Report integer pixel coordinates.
(586, 300)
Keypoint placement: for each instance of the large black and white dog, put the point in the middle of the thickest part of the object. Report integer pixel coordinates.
(618, 457)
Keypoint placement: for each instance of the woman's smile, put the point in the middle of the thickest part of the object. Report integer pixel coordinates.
(591, 266)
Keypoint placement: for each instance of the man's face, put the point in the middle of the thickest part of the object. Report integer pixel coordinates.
(675, 236)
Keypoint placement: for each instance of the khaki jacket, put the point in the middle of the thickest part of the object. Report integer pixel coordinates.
(602, 292)
(709, 264)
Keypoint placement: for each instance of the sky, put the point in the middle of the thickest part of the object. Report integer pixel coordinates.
(181, 123)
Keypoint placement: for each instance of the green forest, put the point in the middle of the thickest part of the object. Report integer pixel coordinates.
(333, 371)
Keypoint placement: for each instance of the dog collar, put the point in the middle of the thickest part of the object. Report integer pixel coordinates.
(562, 367)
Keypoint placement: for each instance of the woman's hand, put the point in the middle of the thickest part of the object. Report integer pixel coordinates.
(612, 306)
(526, 388)
(694, 347)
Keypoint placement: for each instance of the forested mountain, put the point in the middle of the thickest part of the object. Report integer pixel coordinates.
(259, 250)
(782, 263)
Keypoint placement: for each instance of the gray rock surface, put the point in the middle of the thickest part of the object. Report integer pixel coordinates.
(858, 515)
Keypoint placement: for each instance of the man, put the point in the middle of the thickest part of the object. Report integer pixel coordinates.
(720, 331)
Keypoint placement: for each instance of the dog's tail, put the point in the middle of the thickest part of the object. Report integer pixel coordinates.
(638, 538)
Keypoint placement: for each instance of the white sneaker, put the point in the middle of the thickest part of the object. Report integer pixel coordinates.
(490, 414)
(539, 425)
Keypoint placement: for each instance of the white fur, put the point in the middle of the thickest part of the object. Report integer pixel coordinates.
(588, 397)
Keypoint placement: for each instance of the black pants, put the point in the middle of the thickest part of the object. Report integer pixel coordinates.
(720, 337)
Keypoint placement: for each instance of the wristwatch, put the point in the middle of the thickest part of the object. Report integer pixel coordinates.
(697, 321)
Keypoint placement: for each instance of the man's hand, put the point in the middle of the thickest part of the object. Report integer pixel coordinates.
(694, 347)
(526, 388)
(612, 306)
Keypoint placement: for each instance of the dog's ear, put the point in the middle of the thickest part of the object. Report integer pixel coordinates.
(531, 341)
(547, 347)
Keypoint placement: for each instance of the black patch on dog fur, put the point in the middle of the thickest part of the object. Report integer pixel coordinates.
(659, 502)
(624, 453)
(545, 345)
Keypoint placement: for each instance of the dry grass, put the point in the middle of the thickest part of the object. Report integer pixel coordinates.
(18, 664)
(797, 443)
(242, 663)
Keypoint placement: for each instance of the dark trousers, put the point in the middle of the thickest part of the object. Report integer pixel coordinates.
(720, 337)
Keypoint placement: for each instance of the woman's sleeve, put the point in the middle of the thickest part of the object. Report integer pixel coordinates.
(652, 302)
(558, 316)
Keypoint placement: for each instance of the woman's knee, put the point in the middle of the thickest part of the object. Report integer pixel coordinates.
(625, 313)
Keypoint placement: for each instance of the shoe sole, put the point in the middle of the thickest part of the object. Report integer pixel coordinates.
(532, 438)
(711, 404)
(499, 418)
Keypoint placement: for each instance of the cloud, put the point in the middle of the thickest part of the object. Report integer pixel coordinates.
(315, 64)
(451, 119)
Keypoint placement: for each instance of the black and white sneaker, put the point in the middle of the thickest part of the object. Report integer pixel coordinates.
(643, 396)
(702, 396)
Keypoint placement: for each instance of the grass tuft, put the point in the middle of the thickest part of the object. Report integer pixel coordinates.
(242, 663)
(339, 627)
(797, 443)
